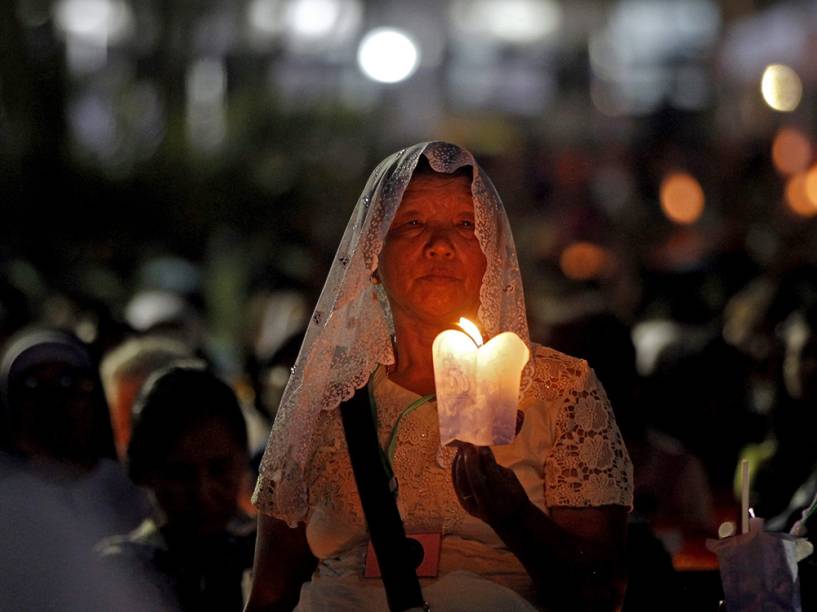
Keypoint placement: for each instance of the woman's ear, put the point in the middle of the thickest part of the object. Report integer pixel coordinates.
(375, 278)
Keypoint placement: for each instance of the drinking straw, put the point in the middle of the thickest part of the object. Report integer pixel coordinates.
(744, 496)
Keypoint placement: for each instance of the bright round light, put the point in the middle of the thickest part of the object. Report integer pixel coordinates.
(387, 56)
(682, 198)
(781, 88)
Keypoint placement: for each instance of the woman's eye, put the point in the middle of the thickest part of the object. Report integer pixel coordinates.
(413, 222)
(467, 224)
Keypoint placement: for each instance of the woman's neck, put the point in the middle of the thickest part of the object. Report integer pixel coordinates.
(414, 366)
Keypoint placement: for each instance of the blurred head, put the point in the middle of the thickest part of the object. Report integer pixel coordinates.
(800, 362)
(126, 368)
(165, 313)
(432, 265)
(189, 446)
(53, 404)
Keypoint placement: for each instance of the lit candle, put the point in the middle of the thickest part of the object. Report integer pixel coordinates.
(477, 385)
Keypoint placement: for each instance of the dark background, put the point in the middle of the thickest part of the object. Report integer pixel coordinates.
(234, 137)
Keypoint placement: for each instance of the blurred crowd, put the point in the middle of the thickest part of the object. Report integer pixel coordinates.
(142, 361)
(131, 429)
(127, 447)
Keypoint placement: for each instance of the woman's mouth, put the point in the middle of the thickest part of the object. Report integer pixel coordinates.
(439, 277)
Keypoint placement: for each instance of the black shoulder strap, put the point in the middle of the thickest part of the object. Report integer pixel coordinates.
(379, 507)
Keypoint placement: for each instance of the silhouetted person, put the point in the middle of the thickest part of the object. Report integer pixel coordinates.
(189, 447)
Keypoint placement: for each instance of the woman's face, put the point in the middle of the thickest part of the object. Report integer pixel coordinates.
(56, 415)
(432, 265)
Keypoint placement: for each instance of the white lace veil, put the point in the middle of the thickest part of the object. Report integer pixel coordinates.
(350, 332)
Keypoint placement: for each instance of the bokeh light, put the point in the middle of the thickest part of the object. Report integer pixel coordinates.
(791, 151)
(811, 185)
(781, 88)
(265, 18)
(507, 21)
(206, 91)
(387, 55)
(313, 18)
(797, 197)
(682, 198)
(584, 261)
(99, 22)
(316, 25)
(648, 54)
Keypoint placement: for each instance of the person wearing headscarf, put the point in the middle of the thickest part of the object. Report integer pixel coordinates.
(54, 423)
(53, 407)
(60, 489)
(538, 522)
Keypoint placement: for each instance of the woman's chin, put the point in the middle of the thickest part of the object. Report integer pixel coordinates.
(444, 312)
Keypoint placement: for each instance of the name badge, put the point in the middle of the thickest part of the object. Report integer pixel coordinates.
(427, 548)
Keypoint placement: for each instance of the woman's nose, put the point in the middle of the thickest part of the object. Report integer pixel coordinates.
(439, 245)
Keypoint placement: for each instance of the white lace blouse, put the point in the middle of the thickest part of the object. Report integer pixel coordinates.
(569, 452)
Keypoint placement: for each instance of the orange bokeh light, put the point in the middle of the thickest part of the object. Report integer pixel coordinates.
(584, 261)
(797, 198)
(682, 198)
(811, 185)
(791, 151)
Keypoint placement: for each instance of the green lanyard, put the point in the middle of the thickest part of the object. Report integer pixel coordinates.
(387, 456)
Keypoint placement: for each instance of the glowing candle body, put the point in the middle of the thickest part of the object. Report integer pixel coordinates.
(478, 386)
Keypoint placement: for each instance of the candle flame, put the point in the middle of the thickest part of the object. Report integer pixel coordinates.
(471, 329)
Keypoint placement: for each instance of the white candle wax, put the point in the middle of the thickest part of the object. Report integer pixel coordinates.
(478, 387)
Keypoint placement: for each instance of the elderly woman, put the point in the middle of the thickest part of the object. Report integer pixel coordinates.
(538, 522)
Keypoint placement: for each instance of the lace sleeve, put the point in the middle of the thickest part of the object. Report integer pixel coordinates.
(588, 464)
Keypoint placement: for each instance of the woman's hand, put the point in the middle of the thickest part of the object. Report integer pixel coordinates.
(484, 488)
(283, 562)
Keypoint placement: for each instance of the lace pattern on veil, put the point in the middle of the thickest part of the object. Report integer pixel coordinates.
(350, 330)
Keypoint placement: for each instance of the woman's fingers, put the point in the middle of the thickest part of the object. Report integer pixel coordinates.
(457, 474)
(484, 488)
(492, 470)
(461, 483)
(467, 477)
(477, 480)
(508, 494)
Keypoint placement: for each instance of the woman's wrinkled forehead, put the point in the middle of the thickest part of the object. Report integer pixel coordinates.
(432, 187)
(437, 180)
